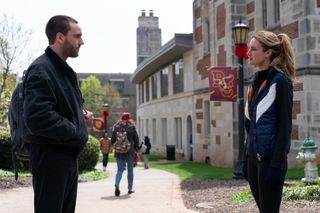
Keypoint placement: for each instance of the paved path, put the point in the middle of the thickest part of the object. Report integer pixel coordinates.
(156, 191)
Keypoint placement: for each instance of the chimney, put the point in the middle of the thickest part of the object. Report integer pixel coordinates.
(143, 12)
(151, 13)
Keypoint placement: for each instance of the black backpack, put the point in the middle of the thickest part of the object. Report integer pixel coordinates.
(20, 148)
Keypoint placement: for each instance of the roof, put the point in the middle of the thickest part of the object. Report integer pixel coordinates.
(169, 52)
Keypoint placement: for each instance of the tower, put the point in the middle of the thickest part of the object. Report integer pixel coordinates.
(148, 36)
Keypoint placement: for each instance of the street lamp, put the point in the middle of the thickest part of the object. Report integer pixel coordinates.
(105, 115)
(240, 37)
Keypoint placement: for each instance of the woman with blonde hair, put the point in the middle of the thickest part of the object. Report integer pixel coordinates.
(269, 117)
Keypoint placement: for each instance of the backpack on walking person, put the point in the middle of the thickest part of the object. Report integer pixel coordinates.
(122, 144)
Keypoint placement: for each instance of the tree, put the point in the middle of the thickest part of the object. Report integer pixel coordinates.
(91, 92)
(13, 41)
(113, 98)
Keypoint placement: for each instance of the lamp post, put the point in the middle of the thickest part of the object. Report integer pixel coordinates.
(240, 37)
(105, 116)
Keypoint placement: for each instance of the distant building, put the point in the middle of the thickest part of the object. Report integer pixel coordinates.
(122, 82)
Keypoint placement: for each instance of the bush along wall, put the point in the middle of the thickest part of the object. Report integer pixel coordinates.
(89, 156)
(6, 154)
(5, 150)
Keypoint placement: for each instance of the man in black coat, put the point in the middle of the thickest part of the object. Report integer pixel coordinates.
(53, 111)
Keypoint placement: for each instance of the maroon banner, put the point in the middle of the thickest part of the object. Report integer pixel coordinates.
(222, 83)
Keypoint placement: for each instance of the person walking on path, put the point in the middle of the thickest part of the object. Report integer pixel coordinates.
(145, 154)
(106, 149)
(127, 128)
(269, 118)
(53, 111)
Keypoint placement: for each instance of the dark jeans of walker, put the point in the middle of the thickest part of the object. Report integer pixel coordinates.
(55, 178)
(267, 195)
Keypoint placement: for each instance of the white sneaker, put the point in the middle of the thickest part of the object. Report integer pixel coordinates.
(104, 168)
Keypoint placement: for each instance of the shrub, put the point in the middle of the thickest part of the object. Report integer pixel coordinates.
(5, 150)
(89, 156)
(308, 192)
(6, 154)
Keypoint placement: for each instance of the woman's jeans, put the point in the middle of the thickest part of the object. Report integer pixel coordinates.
(121, 164)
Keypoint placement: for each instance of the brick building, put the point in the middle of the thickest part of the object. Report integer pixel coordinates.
(213, 125)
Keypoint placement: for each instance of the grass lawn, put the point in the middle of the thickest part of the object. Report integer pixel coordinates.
(193, 170)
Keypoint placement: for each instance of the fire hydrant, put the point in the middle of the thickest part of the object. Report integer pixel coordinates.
(308, 156)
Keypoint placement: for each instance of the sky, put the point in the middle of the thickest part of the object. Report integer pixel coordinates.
(108, 27)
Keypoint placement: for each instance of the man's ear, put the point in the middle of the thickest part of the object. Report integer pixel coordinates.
(60, 37)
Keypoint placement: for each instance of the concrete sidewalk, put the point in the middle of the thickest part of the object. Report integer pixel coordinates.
(156, 191)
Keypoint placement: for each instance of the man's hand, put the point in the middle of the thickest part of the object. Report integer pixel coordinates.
(88, 116)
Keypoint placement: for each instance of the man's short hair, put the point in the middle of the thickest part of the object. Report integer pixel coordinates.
(56, 24)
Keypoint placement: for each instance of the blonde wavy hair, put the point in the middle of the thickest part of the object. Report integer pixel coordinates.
(282, 57)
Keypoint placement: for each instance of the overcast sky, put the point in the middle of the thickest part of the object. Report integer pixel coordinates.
(108, 26)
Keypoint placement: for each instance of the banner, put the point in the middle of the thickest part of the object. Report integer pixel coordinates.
(98, 125)
(222, 83)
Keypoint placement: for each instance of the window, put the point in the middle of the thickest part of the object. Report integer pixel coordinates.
(206, 27)
(276, 11)
(119, 84)
(164, 131)
(207, 33)
(125, 102)
(154, 131)
(147, 127)
(142, 127)
(178, 76)
(178, 132)
(207, 118)
(154, 87)
(270, 13)
(142, 93)
(164, 82)
(147, 90)
(264, 13)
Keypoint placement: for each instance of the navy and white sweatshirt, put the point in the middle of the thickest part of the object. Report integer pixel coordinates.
(268, 116)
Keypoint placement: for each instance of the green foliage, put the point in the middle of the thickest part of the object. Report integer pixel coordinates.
(5, 150)
(112, 97)
(295, 174)
(302, 192)
(112, 159)
(192, 170)
(5, 173)
(156, 157)
(92, 175)
(89, 156)
(243, 196)
(5, 97)
(91, 92)
(6, 154)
